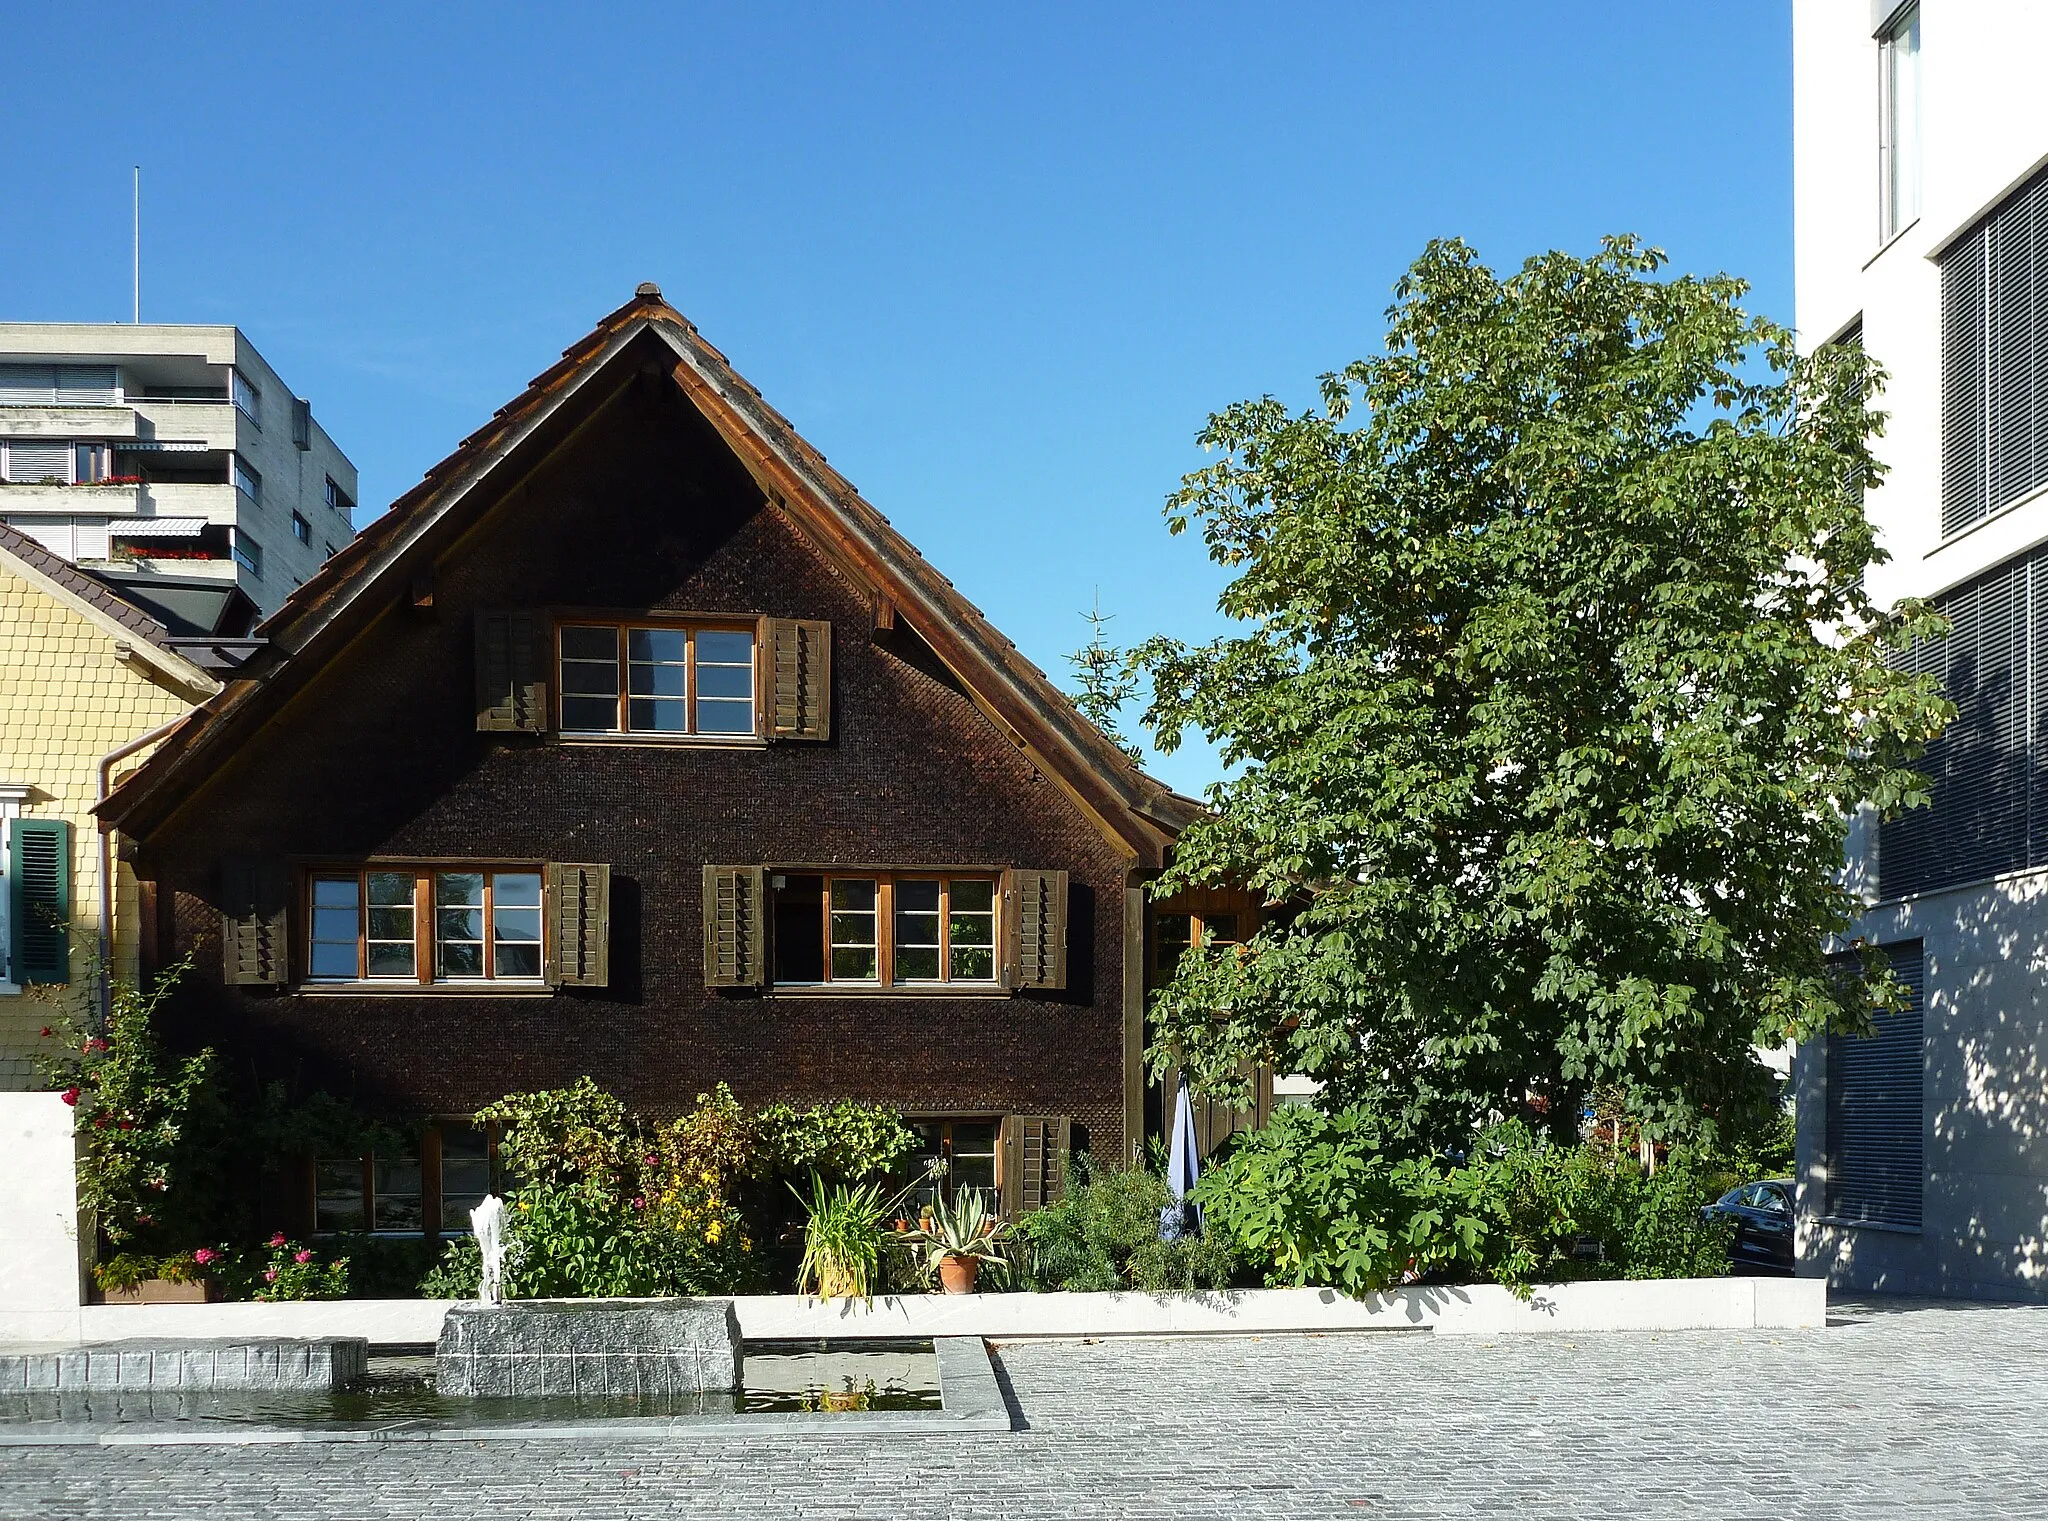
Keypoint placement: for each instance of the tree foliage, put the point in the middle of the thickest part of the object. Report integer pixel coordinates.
(1557, 684)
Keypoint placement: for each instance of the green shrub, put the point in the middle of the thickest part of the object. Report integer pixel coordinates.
(847, 1141)
(1318, 1199)
(457, 1274)
(1103, 1235)
(295, 1271)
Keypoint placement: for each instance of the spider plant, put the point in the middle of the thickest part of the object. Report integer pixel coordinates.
(843, 1235)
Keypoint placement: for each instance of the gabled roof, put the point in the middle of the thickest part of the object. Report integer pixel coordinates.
(376, 567)
(91, 598)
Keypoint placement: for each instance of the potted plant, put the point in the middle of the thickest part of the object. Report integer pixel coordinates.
(136, 1278)
(959, 1238)
(843, 1235)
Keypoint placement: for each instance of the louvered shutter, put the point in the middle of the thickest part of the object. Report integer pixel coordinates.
(44, 459)
(255, 926)
(1035, 1148)
(1876, 1111)
(28, 385)
(39, 900)
(734, 953)
(799, 677)
(511, 672)
(1035, 915)
(87, 385)
(580, 926)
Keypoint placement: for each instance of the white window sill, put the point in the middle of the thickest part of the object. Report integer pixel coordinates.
(397, 989)
(682, 741)
(10, 990)
(876, 990)
(1839, 1223)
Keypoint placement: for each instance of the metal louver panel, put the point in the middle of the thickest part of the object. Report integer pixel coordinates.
(28, 385)
(1984, 817)
(87, 385)
(1876, 1111)
(1962, 383)
(38, 461)
(1994, 287)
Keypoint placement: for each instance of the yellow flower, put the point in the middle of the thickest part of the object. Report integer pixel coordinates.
(713, 1231)
(709, 1176)
(523, 1204)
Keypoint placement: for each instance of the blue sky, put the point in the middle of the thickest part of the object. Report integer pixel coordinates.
(997, 262)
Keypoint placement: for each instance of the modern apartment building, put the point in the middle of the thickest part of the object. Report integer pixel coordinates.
(1921, 209)
(171, 460)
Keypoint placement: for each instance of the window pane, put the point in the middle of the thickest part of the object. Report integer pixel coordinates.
(396, 1185)
(974, 1156)
(338, 1194)
(590, 644)
(1171, 934)
(655, 715)
(668, 645)
(917, 931)
(971, 931)
(337, 922)
(800, 930)
(1219, 929)
(390, 937)
(725, 716)
(853, 930)
(657, 680)
(589, 715)
(725, 681)
(725, 647)
(465, 1174)
(515, 923)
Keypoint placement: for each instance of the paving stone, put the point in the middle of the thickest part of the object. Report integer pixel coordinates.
(1902, 1410)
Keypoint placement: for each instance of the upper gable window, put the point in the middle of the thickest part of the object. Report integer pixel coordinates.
(686, 679)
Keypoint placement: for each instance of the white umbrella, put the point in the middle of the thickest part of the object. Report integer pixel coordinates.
(1183, 1167)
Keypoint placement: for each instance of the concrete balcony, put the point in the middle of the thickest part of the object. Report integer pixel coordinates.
(215, 503)
(217, 424)
(68, 422)
(97, 501)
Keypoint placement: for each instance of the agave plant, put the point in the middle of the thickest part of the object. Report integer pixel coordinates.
(964, 1227)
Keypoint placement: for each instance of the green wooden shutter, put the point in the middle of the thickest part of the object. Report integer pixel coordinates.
(580, 921)
(734, 953)
(1035, 1148)
(254, 924)
(1035, 916)
(799, 671)
(511, 672)
(39, 909)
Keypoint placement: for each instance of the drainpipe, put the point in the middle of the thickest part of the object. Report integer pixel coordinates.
(105, 992)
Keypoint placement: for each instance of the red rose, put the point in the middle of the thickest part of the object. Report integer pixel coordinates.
(47, 1032)
(70, 1096)
(277, 1240)
(127, 1124)
(302, 1255)
(204, 1255)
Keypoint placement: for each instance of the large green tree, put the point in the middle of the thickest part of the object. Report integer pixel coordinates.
(1556, 684)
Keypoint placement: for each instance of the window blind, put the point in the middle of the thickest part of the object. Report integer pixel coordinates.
(1875, 1111)
(1994, 359)
(1987, 814)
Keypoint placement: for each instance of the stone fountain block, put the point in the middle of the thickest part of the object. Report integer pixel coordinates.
(590, 1346)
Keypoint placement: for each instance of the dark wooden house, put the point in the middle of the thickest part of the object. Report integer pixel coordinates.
(634, 743)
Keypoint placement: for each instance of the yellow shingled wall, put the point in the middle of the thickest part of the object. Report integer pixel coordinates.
(65, 700)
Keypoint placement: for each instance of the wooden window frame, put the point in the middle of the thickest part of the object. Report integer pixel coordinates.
(885, 979)
(432, 1191)
(691, 627)
(425, 939)
(1198, 918)
(945, 1124)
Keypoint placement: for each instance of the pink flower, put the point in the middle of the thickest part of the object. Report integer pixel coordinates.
(145, 1219)
(96, 1044)
(639, 1204)
(270, 1275)
(650, 1155)
(46, 1032)
(204, 1255)
(70, 1096)
(277, 1240)
(302, 1255)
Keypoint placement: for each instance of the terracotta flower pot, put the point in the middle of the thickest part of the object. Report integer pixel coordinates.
(161, 1291)
(957, 1274)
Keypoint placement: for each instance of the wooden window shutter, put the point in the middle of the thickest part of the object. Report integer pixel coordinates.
(580, 926)
(734, 953)
(799, 678)
(511, 672)
(1035, 918)
(254, 926)
(39, 900)
(1035, 1148)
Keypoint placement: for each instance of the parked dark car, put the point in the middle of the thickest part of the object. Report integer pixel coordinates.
(1762, 1213)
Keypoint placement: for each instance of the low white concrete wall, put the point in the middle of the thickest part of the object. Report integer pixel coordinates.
(1694, 1304)
(42, 1271)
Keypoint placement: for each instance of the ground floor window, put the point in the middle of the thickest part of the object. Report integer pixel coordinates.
(1876, 1111)
(439, 1181)
(970, 1148)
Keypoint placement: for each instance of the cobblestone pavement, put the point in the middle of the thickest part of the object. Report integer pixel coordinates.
(1897, 1410)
